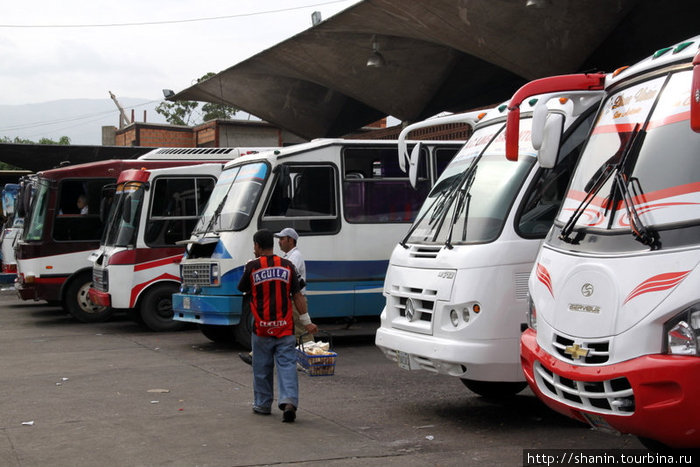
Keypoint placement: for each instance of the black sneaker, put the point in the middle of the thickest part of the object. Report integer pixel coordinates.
(289, 414)
(261, 410)
(246, 357)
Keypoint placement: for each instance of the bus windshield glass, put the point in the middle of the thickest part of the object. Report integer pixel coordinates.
(37, 220)
(640, 150)
(472, 198)
(124, 215)
(234, 198)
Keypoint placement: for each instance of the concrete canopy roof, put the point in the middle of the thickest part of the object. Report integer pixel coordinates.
(441, 55)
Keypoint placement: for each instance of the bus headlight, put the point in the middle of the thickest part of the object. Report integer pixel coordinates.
(454, 317)
(531, 314)
(214, 276)
(682, 333)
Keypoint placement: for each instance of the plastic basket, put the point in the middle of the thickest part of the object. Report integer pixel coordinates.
(317, 365)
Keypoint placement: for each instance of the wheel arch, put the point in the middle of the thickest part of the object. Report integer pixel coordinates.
(141, 290)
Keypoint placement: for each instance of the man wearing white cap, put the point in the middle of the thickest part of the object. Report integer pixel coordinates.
(288, 244)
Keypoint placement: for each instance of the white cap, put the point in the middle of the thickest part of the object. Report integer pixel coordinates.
(288, 232)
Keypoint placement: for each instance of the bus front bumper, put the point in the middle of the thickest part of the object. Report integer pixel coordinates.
(652, 396)
(40, 288)
(479, 360)
(218, 310)
(99, 298)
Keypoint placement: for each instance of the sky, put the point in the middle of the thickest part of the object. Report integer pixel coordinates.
(82, 49)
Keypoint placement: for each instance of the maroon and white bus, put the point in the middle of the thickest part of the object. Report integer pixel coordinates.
(64, 225)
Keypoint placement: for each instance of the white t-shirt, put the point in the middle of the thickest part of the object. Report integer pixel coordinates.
(294, 255)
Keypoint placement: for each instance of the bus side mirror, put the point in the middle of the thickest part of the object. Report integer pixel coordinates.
(695, 95)
(413, 165)
(551, 137)
(539, 118)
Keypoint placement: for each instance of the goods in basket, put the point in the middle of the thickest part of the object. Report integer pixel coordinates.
(316, 358)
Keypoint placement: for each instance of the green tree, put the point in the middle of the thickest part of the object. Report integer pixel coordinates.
(63, 140)
(177, 113)
(183, 112)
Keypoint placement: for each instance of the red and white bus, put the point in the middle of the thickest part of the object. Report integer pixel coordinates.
(137, 265)
(614, 319)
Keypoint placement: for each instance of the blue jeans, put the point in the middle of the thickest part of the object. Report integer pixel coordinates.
(269, 352)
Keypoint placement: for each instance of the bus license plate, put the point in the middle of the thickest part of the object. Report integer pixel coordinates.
(186, 303)
(404, 360)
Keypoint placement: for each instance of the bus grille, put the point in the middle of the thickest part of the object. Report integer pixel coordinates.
(598, 351)
(613, 396)
(423, 301)
(100, 280)
(196, 274)
(424, 251)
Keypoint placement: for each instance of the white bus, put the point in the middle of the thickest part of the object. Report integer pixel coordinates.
(348, 200)
(456, 286)
(614, 336)
(136, 267)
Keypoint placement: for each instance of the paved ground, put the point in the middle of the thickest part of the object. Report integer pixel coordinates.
(75, 394)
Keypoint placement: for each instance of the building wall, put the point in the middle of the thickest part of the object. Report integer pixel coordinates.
(215, 133)
(166, 137)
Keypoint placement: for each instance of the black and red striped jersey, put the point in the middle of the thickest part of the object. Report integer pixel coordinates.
(271, 282)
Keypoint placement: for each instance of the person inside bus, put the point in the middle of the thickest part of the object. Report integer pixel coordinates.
(82, 204)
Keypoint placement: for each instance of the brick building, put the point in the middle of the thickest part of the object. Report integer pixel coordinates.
(214, 133)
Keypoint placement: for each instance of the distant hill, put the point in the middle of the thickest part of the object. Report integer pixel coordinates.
(79, 119)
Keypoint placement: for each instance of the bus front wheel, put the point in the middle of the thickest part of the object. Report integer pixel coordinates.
(77, 302)
(244, 328)
(157, 308)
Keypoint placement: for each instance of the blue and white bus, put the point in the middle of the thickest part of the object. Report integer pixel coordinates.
(348, 200)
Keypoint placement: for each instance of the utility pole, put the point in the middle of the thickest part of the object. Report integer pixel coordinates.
(123, 120)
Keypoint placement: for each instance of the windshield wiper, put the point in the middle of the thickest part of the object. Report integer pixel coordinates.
(593, 187)
(217, 213)
(628, 190)
(463, 193)
(620, 187)
(441, 199)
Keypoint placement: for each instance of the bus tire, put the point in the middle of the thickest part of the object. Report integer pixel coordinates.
(77, 302)
(244, 328)
(494, 389)
(156, 308)
(218, 334)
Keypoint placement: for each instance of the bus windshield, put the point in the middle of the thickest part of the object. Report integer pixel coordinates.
(472, 198)
(640, 167)
(37, 220)
(124, 215)
(233, 199)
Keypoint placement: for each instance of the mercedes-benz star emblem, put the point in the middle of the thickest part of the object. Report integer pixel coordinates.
(587, 290)
(410, 310)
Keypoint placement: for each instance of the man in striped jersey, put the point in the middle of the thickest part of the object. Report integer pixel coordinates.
(273, 283)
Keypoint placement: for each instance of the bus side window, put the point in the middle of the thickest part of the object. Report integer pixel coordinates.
(376, 190)
(549, 187)
(70, 223)
(304, 197)
(175, 208)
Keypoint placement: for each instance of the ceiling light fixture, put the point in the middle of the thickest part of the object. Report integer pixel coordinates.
(376, 59)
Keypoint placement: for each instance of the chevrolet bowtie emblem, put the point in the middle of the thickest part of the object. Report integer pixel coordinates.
(576, 351)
